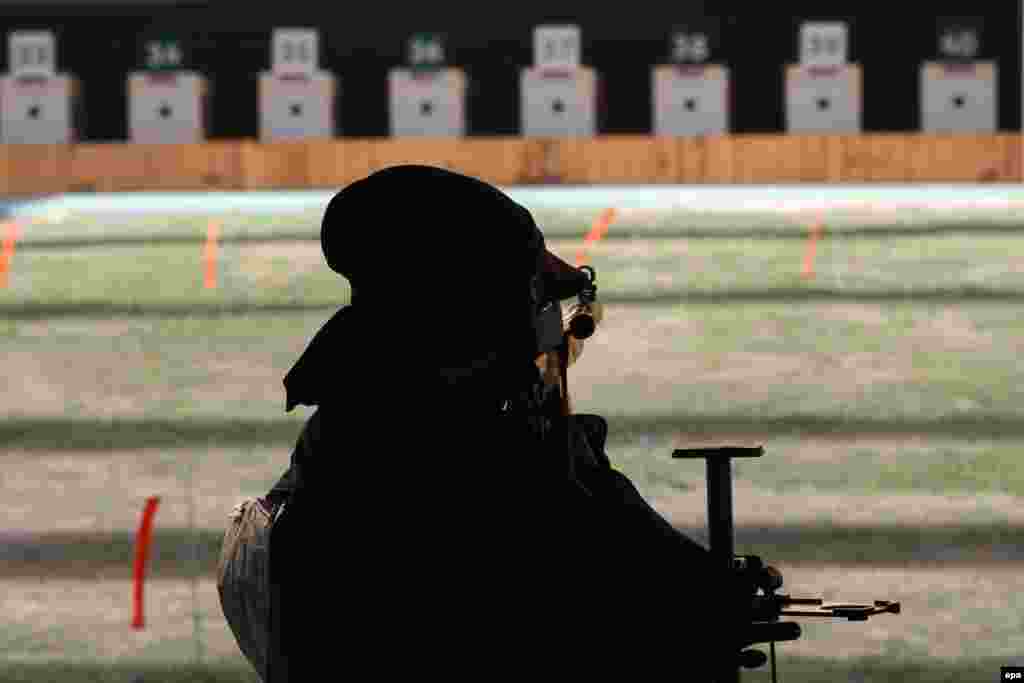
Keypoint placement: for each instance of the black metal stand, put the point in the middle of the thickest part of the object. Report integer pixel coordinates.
(765, 626)
(719, 482)
(720, 523)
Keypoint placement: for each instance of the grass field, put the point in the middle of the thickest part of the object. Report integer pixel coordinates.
(886, 390)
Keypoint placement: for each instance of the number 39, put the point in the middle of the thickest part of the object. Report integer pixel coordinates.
(33, 55)
(564, 49)
(827, 45)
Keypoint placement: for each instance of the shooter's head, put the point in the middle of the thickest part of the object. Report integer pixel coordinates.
(409, 233)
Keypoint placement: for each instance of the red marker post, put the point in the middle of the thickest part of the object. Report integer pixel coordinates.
(7, 251)
(812, 249)
(210, 256)
(142, 542)
(597, 232)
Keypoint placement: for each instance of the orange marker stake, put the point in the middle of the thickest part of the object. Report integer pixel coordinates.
(210, 256)
(597, 232)
(812, 248)
(7, 252)
(142, 541)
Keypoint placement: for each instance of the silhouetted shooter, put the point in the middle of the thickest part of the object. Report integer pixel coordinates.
(444, 517)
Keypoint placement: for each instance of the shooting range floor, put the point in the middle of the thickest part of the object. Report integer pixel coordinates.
(961, 601)
(946, 614)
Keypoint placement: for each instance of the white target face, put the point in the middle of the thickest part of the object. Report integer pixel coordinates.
(559, 107)
(164, 109)
(32, 53)
(36, 111)
(293, 109)
(959, 100)
(295, 52)
(823, 44)
(556, 47)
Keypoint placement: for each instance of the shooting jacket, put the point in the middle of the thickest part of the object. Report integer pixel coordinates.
(497, 562)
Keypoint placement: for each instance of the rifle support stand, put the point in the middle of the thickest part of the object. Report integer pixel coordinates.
(720, 524)
(768, 607)
(719, 482)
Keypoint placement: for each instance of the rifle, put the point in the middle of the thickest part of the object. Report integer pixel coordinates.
(768, 606)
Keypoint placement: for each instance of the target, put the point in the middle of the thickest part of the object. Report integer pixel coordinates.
(296, 99)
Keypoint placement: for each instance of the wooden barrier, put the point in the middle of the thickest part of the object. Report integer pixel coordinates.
(932, 158)
(275, 165)
(497, 160)
(335, 163)
(33, 169)
(113, 167)
(620, 160)
(877, 158)
(787, 159)
(626, 159)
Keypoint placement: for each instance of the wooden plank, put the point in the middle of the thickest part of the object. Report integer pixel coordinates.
(719, 157)
(933, 158)
(619, 159)
(333, 164)
(34, 169)
(114, 167)
(110, 167)
(275, 165)
(195, 166)
(765, 159)
(1012, 170)
(543, 161)
(835, 153)
(442, 152)
(876, 158)
(213, 165)
(957, 158)
(691, 156)
(991, 159)
(496, 160)
(501, 161)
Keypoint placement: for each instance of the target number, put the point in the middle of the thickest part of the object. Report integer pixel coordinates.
(690, 47)
(823, 44)
(556, 46)
(164, 54)
(295, 51)
(426, 50)
(959, 43)
(32, 53)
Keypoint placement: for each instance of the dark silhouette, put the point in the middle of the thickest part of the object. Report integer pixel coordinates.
(440, 517)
